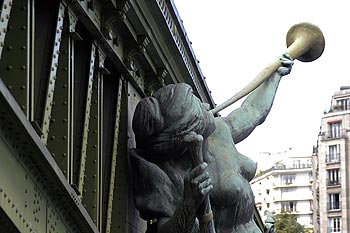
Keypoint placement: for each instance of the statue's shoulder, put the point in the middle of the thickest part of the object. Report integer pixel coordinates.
(222, 129)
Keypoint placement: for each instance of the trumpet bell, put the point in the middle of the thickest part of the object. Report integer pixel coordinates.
(309, 32)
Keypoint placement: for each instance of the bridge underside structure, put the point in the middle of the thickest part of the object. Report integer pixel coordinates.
(71, 74)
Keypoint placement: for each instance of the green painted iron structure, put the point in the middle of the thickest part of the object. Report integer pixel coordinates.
(71, 73)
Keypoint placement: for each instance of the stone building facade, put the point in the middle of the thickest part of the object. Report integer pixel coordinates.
(331, 166)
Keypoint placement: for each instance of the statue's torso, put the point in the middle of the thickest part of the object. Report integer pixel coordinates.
(232, 197)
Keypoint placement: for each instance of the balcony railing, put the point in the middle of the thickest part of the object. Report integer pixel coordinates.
(329, 135)
(333, 206)
(334, 158)
(333, 230)
(333, 182)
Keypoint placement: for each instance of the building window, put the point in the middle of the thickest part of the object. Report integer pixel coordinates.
(268, 205)
(296, 164)
(335, 130)
(343, 104)
(288, 179)
(333, 177)
(334, 225)
(334, 201)
(333, 154)
(289, 206)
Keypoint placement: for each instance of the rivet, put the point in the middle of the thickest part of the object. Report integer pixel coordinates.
(9, 67)
(64, 155)
(23, 67)
(23, 27)
(23, 47)
(23, 87)
(53, 137)
(64, 137)
(9, 47)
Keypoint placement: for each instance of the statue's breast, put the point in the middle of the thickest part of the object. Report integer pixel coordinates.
(230, 170)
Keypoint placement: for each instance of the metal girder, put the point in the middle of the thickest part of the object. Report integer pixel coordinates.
(82, 169)
(113, 171)
(4, 19)
(58, 117)
(16, 44)
(92, 176)
(120, 190)
(34, 192)
(53, 75)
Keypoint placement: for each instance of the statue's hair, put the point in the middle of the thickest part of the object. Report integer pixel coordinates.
(151, 120)
(160, 122)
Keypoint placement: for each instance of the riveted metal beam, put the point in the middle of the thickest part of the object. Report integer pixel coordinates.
(92, 175)
(53, 75)
(31, 183)
(4, 19)
(15, 43)
(59, 139)
(113, 171)
(120, 191)
(82, 168)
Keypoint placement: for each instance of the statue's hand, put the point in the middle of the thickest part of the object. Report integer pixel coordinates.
(197, 184)
(287, 63)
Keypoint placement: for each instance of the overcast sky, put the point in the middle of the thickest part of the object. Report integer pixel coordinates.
(235, 40)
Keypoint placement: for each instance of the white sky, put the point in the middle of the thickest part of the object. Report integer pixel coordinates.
(235, 40)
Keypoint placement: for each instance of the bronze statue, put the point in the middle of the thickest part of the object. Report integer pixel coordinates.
(187, 174)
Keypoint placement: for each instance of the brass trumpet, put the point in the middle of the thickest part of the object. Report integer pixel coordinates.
(305, 42)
